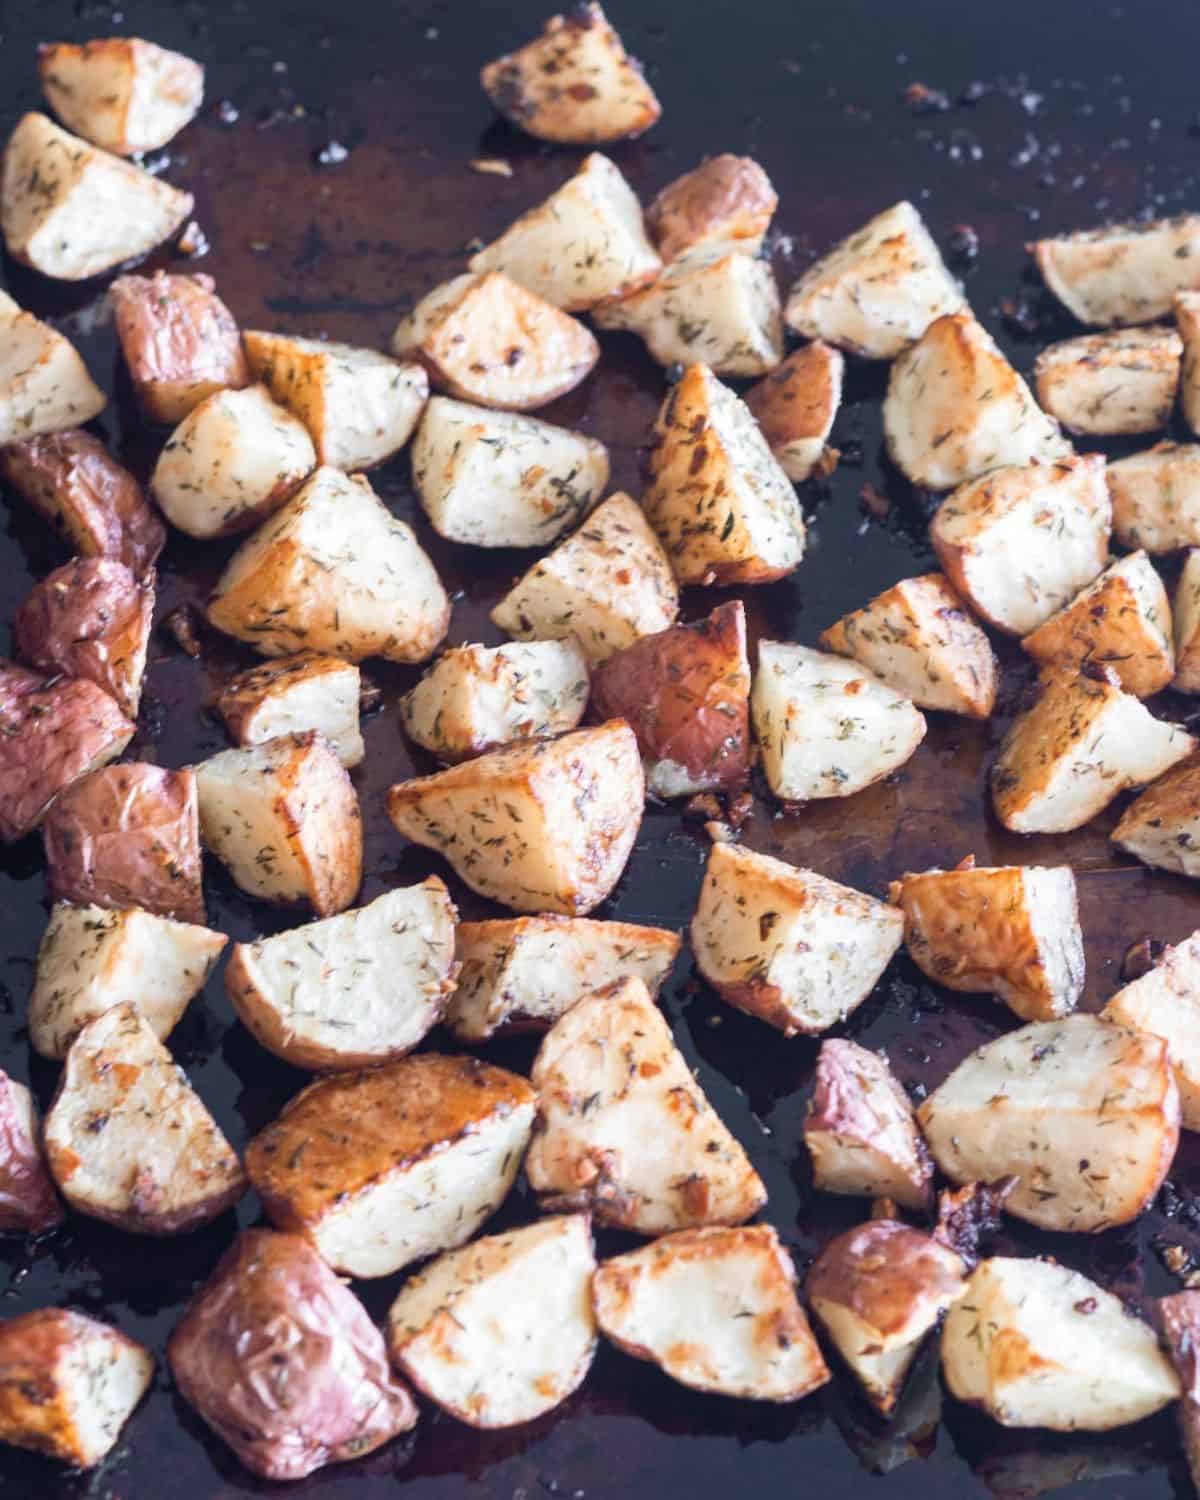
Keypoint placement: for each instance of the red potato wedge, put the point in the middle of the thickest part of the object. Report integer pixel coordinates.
(295, 693)
(1103, 384)
(28, 1200)
(1123, 273)
(1166, 1003)
(726, 200)
(122, 93)
(795, 406)
(44, 384)
(1177, 1319)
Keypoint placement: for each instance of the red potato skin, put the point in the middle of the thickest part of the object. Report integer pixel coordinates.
(1178, 1321)
(280, 1358)
(126, 836)
(731, 193)
(28, 1202)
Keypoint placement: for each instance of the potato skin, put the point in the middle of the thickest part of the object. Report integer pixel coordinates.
(28, 1201)
(727, 199)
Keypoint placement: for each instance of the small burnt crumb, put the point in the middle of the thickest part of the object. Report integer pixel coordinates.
(923, 100)
(1140, 958)
(851, 453)
(494, 166)
(1086, 1305)
(152, 718)
(226, 112)
(974, 92)
(183, 627)
(370, 696)
(875, 502)
(965, 1215)
(963, 244)
(1020, 312)
(332, 154)
(738, 809)
(193, 242)
(1175, 1258)
(705, 805)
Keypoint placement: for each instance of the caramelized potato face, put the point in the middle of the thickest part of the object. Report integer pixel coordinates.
(727, 200)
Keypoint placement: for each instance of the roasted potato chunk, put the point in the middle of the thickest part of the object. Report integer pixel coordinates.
(387, 1166)
(606, 585)
(1186, 625)
(72, 211)
(44, 383)
(715, 1309)
(1083, 1113)
(540, 480)
(523, 973)
(789, 946)
(1156, 498)
(280, 1359)
(726, 200)
(1178, 1321)
(295, 693)
(486, 339)
(28, 1201)
(541, 826)
(795, 407)
(128, 1140)
(685, 693)
(501, 1331)
(1166, 1003)
(1162, 826)
(121, 93)
(283, 817)
(355, 989)
(333, 571)
(1187, 319)
(575, 83)
(1106, 383)
(1124, 273)
(623, 1128)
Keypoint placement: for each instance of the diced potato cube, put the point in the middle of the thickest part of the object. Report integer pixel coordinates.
(28, 1200)
(1177, 1319)
(795, 407)
(1106, 383)
(1162, 826)
(1156, 498)
(1166, 1003)
(1125, 273)
(1186, 624)
(122, 93)
(1187, 319)
(44, 384)
(726, 200)
(293, 694)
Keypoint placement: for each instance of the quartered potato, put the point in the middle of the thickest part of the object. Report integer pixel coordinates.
(1166, 1003)
(122, 93)
(333, 571)
(295, 693)
(956, 408)
(486, 339)
(795, 406)
(918, 638)
(1162, 826)
(501, 1331)
(539, 480)
(1084, 1113)
(91, 959)
(723, 508)
(283, 817)
(685, 693)
(128, 836)
(90, 618)
(127, 1138)
(1178, 1321)
(1019, 543)
(825, 727)
(878, 1290)
(541, 826)
(28, 1201)
(68, 1384)
(575, 83)
(1126, 273)
(72, 211)
(1082, 743)
(713, 304)
(280, 1359)
(359, 406)
(1187, 320)
(355, 989)
(1009, 930)
(606, 585)
(726, 200)
(878, 291)
(1106, 383)
(1186, 625)
(234, 459)
(584, 245)
(44, 384)
(1156, 498)
(477, 698)
(624, 1130)
(716, 1310)
(787, 945)
(523, 973)
(387, 1166)
(1035, 1344)
(860, 1130)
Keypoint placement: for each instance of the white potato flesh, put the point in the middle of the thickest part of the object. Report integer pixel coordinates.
(1084, 1113)
(333, 571)
(295, 693)
(1127, 273)
(726, 200)
(1019, 543)
(128, 1140)
(795, 407)
(541, 826)
(1035, 1344)
(1186, 625)
(585, 244)
(918, 638)
(877, 291)
(1166, 1003)
(624, 1129)
(1187, 320)
(723, 508)
(1082, 743)
(789, 946)
(1106, 383)
(1010, 930)
(526, 972)
(715, 1309)
(233, 459)
(122, 93)
(72, 211)
(956, 408)
(607, 585)
(713, 304)
(477, 698)
(91, 959)
(1162, 827)
(499, 479)
(825, 727)
(1156, 498)
(501, 1331)
(44, 384)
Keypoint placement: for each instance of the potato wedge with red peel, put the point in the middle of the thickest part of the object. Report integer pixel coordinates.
(1185, 618)
(726, 200)
(502, 1331)
(1177, 1319)
(1035, 1344)
(295, 693)
(1166, 1003)
(28, 1200)
(121, 93)
(716, 1310)
(1187, 320)
(128, 1140)
(1037, 1103)
(1123, 273)
(1107, 383)
(685, 693)
(280, 1359)
(44, 383)
(68, 1384)
(623, 1128)
(1156, 498)
(1162, 826)
(795, 406)
(386, 1166)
